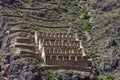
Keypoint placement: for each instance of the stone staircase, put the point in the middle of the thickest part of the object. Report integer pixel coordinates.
(26, 48)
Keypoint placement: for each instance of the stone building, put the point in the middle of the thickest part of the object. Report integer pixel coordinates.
(61, 49)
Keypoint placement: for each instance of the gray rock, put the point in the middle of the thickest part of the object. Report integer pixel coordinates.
(111, 42)
(108, 66)
(87, 36)
(91, 20)
(113, 53)
(114, 64)
(14, 57)
(2, 27)
(76, 77)
(7, 1)
(118, 31)
(60, 78)
(119, 63)
(117, 76)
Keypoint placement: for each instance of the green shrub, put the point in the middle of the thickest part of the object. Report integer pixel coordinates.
(53, 7)
(84, 15)
(49, 75)
(110, 77)
(70, 18)
(87, 26)
(83, 10)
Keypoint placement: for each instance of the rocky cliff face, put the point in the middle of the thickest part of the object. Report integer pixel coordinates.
(97, 22)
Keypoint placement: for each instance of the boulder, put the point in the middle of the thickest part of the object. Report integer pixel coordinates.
(114, 64)
(7, 2)
(112, 42)
(76, 77)
(117, 76)
(109, 66)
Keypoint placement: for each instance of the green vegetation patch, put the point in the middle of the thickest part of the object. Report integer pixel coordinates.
(84, 15)
(70, 18)
(49, 75)
(87, 26)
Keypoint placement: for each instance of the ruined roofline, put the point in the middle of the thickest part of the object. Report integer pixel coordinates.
(54, 45)
(65, 55)
(67, 58)
(49, 35)
(56, 38)
(63, 51)
(61, 43)
(40, 32)
(49, 39)
(62, 47)
(53, 32)
(45, 54)
(37, 37)
(57, 35)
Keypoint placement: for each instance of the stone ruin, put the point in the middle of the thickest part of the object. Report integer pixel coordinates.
(61, 49)
(56, 50)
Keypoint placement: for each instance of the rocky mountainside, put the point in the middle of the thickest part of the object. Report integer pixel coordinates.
(97, 23)
(106, 37)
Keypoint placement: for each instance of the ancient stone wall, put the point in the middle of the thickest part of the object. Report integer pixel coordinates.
(61, 43)
(14, 31)
(57, 36)
(25, 46)
(24, 40)
(61, 49)
(66, 60)
(66, 67)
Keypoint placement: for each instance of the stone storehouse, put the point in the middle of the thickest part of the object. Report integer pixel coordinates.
(61, 49)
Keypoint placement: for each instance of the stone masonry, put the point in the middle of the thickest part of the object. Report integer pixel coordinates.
(56, 50)
(61, 49)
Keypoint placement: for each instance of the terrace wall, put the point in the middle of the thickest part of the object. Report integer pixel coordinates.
(67, 60)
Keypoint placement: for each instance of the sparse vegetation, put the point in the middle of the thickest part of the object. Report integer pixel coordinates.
(49, 75)
(87, 26)
(84, 15)
(110, 77)
(70, 18)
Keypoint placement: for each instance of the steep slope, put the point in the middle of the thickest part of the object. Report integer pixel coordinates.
(97, 22)
(105, 37)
